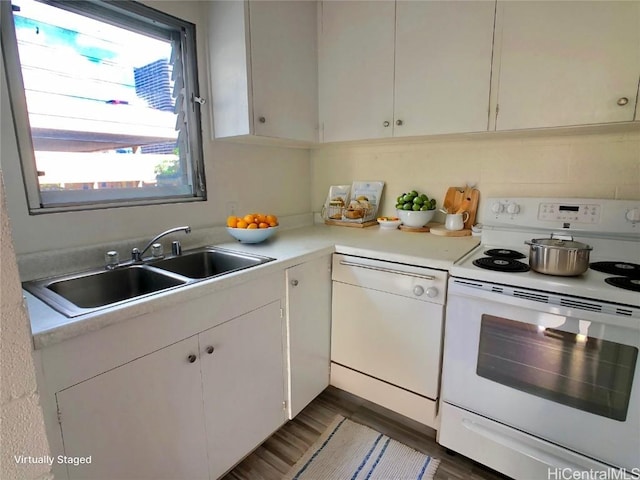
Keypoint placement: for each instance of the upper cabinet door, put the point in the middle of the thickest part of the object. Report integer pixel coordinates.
(264, 69)
(567, 63)
(356, 70)
(285, 69)
(443, 66)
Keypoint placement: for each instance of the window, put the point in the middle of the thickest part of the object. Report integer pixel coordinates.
(560, 365)
(105, 101)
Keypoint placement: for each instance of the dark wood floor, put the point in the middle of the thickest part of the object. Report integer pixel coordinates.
(277, 454)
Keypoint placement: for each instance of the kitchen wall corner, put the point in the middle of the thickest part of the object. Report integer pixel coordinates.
(23, 431)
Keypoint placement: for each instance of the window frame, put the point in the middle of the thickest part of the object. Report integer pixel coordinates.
(123, 13)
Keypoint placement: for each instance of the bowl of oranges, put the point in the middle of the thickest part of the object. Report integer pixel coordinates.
(252, 228)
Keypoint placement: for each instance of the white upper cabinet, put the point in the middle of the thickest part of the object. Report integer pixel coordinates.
(263, 68)
(566, 63)
(356, 58)
(404, 68)
(442, 66)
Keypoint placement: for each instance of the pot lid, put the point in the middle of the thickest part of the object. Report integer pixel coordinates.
(560, 243)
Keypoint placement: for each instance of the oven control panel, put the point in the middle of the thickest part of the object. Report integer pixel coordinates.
(605, 216)
(568, 212)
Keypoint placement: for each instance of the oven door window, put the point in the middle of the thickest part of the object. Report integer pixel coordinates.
(573, 369)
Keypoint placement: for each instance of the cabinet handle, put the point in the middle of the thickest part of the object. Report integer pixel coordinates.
(262, 120)
(622, 101)
(398, 122)
(294, 283)
(385, 124)
(386, 270)
(191, 358)
(209, 349)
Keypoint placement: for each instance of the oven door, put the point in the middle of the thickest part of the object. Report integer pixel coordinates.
(566, 375)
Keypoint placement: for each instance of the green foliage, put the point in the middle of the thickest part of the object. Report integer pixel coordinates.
(167, 167)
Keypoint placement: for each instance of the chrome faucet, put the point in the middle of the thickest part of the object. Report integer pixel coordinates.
(137, 254)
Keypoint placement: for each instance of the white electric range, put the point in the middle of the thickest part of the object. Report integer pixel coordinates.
(602, 224)
(541, 372)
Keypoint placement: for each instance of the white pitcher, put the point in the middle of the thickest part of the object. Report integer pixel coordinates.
(455, 221)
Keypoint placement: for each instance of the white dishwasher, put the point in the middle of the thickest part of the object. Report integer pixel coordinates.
(386, 333)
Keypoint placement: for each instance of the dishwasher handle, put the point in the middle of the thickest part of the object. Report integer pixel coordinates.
(386, 270)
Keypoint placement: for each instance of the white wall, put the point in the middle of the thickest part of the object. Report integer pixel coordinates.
(21, 416)
(592, 165)
(260, 178)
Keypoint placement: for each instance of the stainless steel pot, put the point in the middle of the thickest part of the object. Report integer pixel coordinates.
(558, 256)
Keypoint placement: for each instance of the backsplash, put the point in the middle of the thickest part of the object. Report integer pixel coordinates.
(604, 165)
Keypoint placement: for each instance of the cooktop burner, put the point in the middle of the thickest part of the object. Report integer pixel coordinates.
(623, 269)
(504, 253)
(501, 264)
(627, 283)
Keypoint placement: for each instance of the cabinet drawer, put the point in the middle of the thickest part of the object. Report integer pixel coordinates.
(425, 284)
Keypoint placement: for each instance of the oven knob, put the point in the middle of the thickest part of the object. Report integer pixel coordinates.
(513, 208)
(497, 207)
(432, 292)
(633, 215)
(418, 290)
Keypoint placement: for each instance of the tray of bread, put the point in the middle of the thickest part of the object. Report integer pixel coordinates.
(354, 206)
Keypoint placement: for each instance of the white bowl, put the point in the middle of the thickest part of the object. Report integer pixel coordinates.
(411, 218)
(389, 223)
(255, 235)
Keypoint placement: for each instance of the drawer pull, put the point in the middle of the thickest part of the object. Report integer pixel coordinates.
(387, 270)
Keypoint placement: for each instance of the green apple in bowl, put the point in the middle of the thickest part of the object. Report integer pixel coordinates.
(416, 202)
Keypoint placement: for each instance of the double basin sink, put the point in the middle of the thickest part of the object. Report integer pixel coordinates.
(82, 293)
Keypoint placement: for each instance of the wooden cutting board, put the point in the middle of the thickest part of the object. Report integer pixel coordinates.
(440, 230)
(344, 223)
(404, 228)
(462, 199)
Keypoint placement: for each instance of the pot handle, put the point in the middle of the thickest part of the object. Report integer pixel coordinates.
(529, 242)
(561, 236)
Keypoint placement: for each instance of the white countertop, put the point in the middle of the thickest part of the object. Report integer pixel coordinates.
(288, 247)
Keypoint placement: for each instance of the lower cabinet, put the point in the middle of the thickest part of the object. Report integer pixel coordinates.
(243, 385)
(190, 410)
(308, 296)
(142, 420)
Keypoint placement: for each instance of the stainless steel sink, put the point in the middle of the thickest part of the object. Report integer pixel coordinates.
(209, 262)
(81, 293)
(113, 286)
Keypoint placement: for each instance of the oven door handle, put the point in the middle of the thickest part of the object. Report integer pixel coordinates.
(530, 451)
(386, 270)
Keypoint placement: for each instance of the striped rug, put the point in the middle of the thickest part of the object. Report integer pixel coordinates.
(350, 451)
